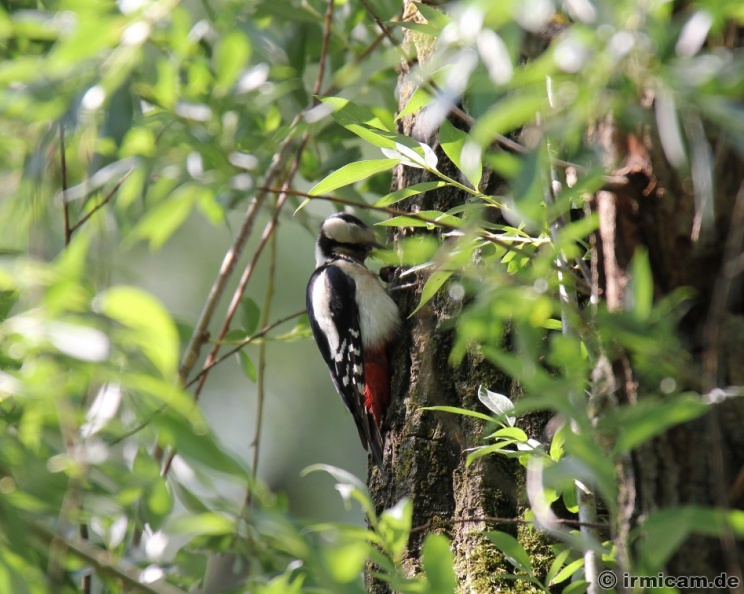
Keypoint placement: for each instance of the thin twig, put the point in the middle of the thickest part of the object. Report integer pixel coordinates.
(243, 343)
(402, 213)
(63, 165)
(102, 560)
(199, 335)
(100, 205)
(261, 380)
(433, 524)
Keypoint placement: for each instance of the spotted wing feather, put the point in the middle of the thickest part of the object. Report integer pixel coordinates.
(331, 296)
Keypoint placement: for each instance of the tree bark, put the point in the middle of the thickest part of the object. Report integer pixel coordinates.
(697, 463)
(425, 451)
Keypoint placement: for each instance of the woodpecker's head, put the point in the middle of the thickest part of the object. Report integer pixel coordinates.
(344, 234)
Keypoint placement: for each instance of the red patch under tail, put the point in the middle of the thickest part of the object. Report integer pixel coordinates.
(376, 383)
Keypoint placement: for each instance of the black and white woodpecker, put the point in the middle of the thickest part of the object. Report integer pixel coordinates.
(354, 321)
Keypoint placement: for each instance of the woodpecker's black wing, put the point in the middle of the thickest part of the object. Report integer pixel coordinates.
(334, 319)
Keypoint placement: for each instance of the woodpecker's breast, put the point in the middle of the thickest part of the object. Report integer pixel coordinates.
(379, 318)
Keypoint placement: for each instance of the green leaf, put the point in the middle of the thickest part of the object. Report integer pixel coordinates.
(247, 365)
(496, 403)
(230, 55)
(422, 28)
(452, 141)
(413, 190)
(347, 113)
(424, 218)
(207, 523)
(459, 411)
(639, 298)
(514, 433)
(417, 101)
(194, 442)
(345, 562)
(150, 326)
(395, 528)
(433, 284)
(162, 220)
(650, 417)
(433, 16)
(512, 550)
(250, 313)
(665, 530)
(438, 565)
(567, 571)
(508, 114)
(353, 172)
(555, 567)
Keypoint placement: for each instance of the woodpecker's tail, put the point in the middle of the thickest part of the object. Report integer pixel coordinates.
(376, 396)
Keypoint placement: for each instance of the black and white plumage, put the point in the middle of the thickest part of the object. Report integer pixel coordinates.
(353, 321)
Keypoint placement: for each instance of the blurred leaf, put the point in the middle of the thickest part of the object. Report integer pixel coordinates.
(247, 365)
(508, 114)
(453, 140)
(151, 327)
(649, 417)
(345, 562)
(438, 564)
(568, 571)
(663, 531)
(395, 528)
(353, 172)
(418, 100)
(206, 523)
(347, 113)
(197, 443)
(230, 55)
(409, 191)
(640, 295)
(433, 16)
(250, 315)
(162, 220)
(512, 550)
(555, 567)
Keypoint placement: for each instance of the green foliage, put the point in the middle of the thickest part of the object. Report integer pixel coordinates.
(167, 112)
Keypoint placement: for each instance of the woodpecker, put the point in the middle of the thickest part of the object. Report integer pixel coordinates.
(354, 321)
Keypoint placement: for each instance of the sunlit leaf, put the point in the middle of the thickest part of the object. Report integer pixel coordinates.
(496, 403)
(418, 100)
(431, 287)
(206, 523)
(395, 527)
(353, 172)
(438, 564)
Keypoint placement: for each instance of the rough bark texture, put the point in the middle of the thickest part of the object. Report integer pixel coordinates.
(426, 451)
(696, 463)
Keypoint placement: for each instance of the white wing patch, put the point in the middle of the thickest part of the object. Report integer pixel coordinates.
(321, 299)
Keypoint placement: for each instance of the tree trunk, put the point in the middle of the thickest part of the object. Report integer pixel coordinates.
(425, 451)
(702, 462)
